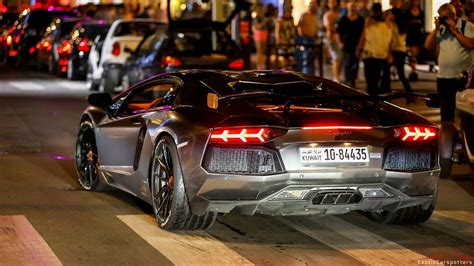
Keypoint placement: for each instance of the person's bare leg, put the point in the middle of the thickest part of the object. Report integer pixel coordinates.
(336, 69)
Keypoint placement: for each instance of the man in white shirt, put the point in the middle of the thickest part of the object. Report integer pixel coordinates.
(455, 39)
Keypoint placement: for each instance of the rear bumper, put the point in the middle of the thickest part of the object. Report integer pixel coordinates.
(316, 193)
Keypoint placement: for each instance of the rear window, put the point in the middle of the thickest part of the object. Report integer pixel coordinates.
(66, 27)
(294, 89)
(135, 28)
(7, 19)
(93, 30)
(202, 43)
(40, 19)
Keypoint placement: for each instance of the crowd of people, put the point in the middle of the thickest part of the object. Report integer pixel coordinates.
(354, 31)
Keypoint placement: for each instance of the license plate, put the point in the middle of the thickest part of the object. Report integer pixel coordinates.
(334, 155)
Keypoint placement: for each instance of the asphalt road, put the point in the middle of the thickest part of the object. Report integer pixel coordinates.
(46, 219)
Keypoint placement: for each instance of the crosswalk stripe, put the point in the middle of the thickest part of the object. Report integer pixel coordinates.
(459, 224)
(21, 244)
(72, 85)
(26, 85)
(198, 248)
(354, 241)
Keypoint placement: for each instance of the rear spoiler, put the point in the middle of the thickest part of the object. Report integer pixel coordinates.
(432, 100)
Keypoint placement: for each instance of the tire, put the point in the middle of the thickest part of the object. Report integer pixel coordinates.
(87, 159)
(410, 215)
(72, 73)
(90, 84)
(107, 86)
(169, 200)
(446, 166)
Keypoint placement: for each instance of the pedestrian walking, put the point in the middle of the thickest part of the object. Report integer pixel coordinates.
(285, 34)
(399, 49)
(308, 27)
(375, 49)
(271, 19)
(350, 29)
(454, 38)
(330, 20)
(415, 18)
(260, 35)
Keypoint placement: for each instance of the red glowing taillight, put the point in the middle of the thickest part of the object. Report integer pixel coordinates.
(84, 46)
(416, 133)
(237, 64)
(65, 48)
(116, 49)
(32, 50)
(17, 39)
(171, 61)
(250, 135)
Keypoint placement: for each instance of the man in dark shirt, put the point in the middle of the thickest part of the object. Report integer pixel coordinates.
(350, 29)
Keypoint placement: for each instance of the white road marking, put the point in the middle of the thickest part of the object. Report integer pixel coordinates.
(459, 224)
(184, 248)
(73, 85)
(21, 244)
(354, 241)
(26, 85)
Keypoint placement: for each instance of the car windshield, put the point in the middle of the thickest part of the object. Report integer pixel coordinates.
(135, 28)
(201, 43)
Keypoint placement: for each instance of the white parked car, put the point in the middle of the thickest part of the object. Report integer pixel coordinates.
(108, 55)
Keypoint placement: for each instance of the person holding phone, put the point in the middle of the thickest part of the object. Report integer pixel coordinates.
(455, 40)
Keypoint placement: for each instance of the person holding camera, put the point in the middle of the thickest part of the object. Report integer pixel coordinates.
(455, 40)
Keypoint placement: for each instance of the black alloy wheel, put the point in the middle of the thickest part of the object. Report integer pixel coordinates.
(168, 193)
(87, 160)
(162, 182)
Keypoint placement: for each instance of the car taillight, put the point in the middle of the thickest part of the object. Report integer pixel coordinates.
(84, 46)
(245, 135)
(32, 50)
(65, 48)
(17, 39)
(171, 61)
(237, 64)
(116, 49)
(416, 133)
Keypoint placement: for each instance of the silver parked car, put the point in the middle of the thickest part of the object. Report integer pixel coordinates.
(197, 143)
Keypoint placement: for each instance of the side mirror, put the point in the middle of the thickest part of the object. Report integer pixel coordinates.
(101, 100)
(433, 100)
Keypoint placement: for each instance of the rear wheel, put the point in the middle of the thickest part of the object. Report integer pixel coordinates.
(169, 200)
(90, 84)
(446, 166)
(72, 73)
(410, 215)
(87, 160)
